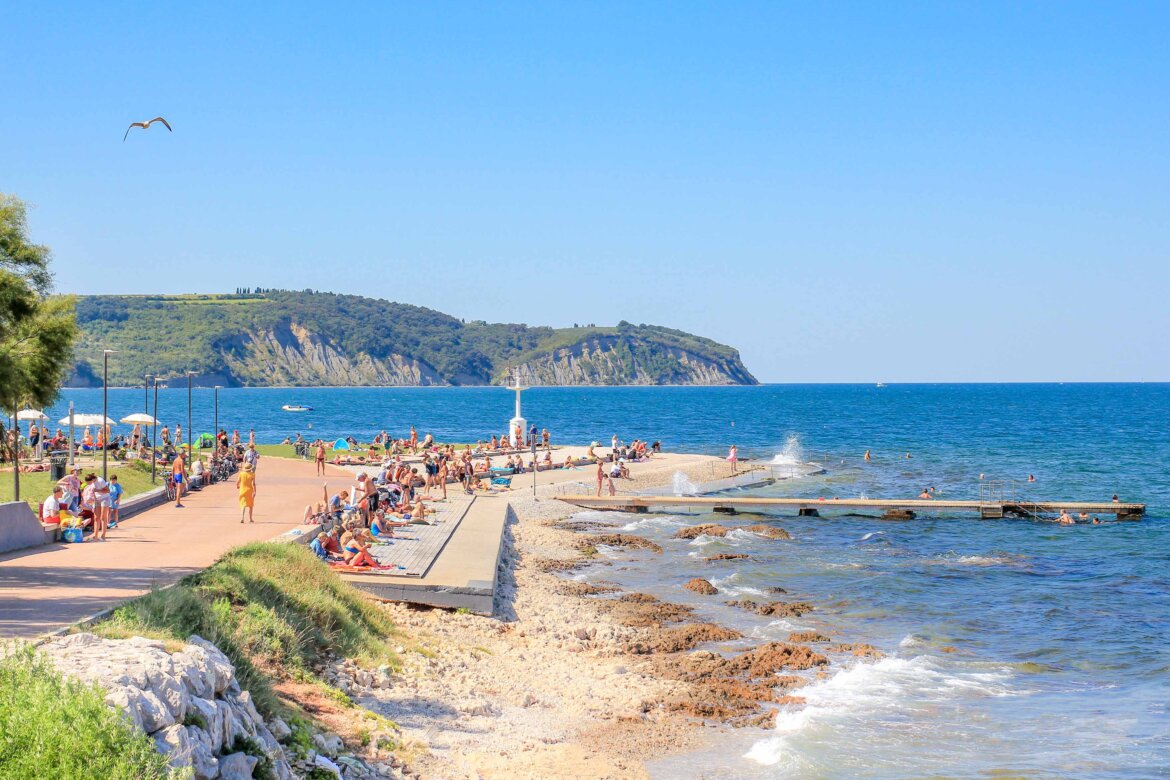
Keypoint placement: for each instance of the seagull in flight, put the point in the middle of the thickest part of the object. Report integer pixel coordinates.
(145, 125)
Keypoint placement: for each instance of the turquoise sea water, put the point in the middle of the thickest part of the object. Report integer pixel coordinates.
(1011, 646)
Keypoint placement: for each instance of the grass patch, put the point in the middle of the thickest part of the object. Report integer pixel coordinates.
(35, 488)
(55, 727)
(273, 608)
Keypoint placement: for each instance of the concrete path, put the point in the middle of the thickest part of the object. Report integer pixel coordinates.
(47, 588)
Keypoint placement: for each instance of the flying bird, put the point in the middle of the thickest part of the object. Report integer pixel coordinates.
(145, 125)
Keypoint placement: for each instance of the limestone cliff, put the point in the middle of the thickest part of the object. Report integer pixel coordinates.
(611, 360)
(290, 355)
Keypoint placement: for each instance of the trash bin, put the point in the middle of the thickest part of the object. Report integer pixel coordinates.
(57, 462)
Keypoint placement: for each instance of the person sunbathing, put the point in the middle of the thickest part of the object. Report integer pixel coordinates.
(354, 552)
(547, 463)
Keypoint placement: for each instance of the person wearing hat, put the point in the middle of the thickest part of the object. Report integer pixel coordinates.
(246, 484)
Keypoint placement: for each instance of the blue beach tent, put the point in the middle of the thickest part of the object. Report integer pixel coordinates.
(341, 444)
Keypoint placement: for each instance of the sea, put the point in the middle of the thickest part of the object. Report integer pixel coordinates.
(1011, 648)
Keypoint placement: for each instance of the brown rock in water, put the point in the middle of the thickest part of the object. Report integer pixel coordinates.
(699, 585)
(805, 637)
(775, 656)
(861, 651)
(641, 610)
(702, 530)
(728, 557)
(618, 540)
(773, 608)
(574, 588)
(768, 531)
(775, 589)
(676, 638)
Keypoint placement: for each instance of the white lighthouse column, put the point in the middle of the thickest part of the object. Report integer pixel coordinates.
(517, 422)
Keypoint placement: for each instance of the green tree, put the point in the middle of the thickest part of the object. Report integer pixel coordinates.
(37, 329)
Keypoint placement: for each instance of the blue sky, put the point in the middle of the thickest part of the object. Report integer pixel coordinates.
(844, 191)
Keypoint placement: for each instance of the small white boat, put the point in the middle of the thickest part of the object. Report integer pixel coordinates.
(881, 384)
(296, 408)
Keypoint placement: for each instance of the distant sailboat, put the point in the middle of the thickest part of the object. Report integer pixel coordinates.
(296, 408)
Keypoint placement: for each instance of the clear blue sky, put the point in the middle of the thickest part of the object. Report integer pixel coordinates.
(844, 191)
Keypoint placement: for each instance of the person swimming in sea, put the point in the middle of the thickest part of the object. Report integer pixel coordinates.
(925, 495)
(1065, 518)
(867, 458)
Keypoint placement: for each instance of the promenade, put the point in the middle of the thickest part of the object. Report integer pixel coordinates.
(47, 588)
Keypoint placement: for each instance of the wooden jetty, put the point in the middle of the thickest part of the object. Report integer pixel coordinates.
(891, 509)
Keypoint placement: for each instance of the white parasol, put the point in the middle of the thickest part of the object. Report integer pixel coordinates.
(31, 414)
(138, 418)
(87, 419)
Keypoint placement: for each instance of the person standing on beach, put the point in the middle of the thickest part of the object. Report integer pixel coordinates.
(320, 458)
(733, 457)
(246, 485)
(441, 478)
(600, 476)
(413, 441)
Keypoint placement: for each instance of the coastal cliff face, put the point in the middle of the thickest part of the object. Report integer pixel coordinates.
(614, 361)
(286, 338)
(291, 355)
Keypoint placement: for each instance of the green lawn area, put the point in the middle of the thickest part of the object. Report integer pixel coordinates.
(35, 488)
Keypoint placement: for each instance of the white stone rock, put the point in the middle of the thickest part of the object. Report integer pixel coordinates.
(173, 693)
(323, 763)
(203, 758)
(227, 721)
(237, 766)
(216, 660)
(174, 742)
(328, 743)
(280, 730)
(128, 700)
(213, 717)
(155, 714)
(476, 707)
(195, 672)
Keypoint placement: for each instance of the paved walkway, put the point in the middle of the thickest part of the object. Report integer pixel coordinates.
(46, 588)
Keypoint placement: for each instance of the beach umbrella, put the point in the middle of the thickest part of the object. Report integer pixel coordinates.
(31, 414)
(138, 418)
(88, 419)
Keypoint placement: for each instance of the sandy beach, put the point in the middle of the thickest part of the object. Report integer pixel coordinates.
(566, 679)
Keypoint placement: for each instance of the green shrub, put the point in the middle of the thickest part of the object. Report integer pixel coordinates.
(268, 606)
(51, 726)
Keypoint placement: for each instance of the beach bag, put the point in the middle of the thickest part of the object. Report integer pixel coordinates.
(506, 481)
(72, 535)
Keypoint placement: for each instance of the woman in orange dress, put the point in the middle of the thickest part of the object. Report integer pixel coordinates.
(246, 484)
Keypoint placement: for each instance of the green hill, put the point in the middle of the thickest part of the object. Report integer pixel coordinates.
(309, 338)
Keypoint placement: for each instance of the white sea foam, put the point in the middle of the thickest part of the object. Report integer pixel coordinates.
(681, 486)
(792, 454)
(892, 688)
(871, 535)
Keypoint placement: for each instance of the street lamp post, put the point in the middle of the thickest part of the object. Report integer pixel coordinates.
(215, 428)
(146, 396)
(190, 374)
(154, 436)
(105, 411)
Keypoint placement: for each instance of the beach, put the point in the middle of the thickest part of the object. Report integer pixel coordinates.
(560, 682)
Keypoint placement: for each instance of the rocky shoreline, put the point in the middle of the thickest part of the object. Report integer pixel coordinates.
(581, 676)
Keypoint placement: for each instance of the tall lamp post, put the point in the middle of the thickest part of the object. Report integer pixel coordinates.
(146, 396)
(105, 410)
(154, 435)
(215, 428)
(190, 375)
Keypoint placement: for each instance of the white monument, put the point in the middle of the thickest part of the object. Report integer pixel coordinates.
(517, 423)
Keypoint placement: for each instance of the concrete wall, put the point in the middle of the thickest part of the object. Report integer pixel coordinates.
(19, 527)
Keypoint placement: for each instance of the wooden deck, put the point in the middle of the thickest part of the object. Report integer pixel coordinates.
(415, 547)
(891, 508)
